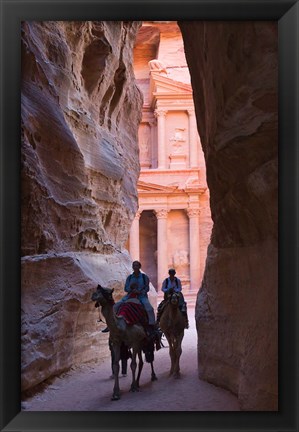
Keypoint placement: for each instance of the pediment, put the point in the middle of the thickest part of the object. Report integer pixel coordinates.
(155, 188)
(163, 84)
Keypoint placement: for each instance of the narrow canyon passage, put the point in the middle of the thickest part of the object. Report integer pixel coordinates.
(82, 198)
(89, 387)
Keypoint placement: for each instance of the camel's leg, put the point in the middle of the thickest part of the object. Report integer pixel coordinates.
(154, 376)
(116, 390)
(178, 352)
(172, 355)
(140, 366)
(172, 358)
(171, 352)
(133, 368)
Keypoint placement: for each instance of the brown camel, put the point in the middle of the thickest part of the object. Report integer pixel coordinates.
(134, 336)
(172, 324)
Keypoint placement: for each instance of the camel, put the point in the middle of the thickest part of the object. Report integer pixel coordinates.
(172, 324)
(134, 336)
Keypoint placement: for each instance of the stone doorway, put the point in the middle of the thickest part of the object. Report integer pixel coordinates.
(148, 245)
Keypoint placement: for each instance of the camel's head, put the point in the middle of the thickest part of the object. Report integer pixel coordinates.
(102, 296)
(174, 298)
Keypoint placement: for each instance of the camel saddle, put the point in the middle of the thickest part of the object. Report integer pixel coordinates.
(133, 312)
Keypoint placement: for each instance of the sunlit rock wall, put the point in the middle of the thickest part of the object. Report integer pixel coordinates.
(233, 69)
(80, 115)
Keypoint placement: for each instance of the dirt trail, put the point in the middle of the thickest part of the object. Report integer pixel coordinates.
(89, 388)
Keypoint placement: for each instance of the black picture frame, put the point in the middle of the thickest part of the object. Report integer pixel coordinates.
(286, 12)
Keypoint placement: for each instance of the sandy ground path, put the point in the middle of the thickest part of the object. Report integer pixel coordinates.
(89, 388)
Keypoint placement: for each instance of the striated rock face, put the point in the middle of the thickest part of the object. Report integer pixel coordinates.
(233, 69)
(80, 115)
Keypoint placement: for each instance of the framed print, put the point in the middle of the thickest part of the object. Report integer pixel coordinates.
(163, 133)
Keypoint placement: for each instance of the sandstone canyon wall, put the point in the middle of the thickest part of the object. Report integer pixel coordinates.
(80, 115)
(233, 70)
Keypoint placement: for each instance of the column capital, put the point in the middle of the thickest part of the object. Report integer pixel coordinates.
(193, 212)
(191, 111)
(159, 112)
(161, 213)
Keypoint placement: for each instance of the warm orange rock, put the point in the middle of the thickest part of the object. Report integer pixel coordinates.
(233, 67)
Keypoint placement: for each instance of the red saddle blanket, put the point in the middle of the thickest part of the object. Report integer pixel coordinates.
(133, 313)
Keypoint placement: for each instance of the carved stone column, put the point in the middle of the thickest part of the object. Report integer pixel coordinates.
(134, 238)
(161, 115)
(194, 252)
(162, 246)
(193, 153)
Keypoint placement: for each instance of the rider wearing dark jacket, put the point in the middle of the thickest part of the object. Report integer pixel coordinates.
(172, 284)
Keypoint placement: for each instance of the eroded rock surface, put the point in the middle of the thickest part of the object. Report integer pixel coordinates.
(233, 69)
(80, 115)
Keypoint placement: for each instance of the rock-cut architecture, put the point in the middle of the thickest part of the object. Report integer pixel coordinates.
(172, 225)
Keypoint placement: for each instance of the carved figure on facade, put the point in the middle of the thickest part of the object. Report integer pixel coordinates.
(180, 258)
(181, 262)
(157, 66)
(177, 140)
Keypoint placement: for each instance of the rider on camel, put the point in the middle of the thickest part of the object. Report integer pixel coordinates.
(139, 283)
(172, 284)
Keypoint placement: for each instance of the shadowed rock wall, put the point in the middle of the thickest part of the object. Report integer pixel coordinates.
(233, 69)
(80, 115)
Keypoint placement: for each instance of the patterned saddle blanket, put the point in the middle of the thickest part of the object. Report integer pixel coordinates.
(133, 312)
